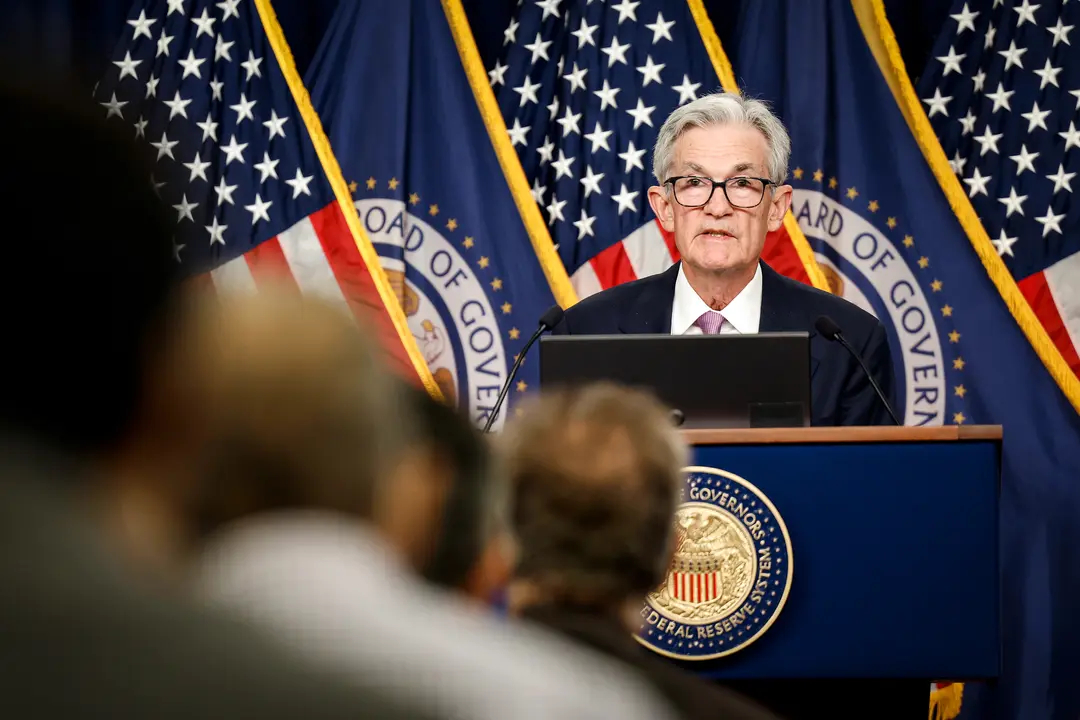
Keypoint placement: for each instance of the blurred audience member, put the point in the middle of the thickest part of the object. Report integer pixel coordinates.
(324, 511)
(467, 547)
(594, 523)
(89, 303)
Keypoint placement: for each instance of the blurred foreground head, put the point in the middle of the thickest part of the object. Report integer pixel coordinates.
(449, 502)
(90, 273)
(304, 414)
(308, 418)
(595, 474)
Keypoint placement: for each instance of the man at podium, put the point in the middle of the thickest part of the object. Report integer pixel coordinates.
(721, 163)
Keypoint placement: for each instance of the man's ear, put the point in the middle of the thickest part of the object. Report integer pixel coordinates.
(781, 201)
(662, 205)
(492, 571)
(409, 505)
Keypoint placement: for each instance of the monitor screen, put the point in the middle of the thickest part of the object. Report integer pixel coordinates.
(709, 381)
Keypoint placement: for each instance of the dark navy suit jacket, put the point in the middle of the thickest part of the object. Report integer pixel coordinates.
(840, 392)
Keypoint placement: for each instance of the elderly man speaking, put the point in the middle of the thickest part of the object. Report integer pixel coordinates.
(721, 162)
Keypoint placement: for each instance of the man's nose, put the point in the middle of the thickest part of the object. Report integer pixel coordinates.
(718, 205)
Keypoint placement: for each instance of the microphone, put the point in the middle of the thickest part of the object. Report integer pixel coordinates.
(548, 320)
(831, 331)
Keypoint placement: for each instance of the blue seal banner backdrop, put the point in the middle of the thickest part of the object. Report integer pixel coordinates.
(411, 117)
(889, 230)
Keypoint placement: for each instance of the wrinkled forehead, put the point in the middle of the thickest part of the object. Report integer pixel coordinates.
(721, 150)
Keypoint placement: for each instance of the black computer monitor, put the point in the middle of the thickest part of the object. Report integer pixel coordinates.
(709, 381)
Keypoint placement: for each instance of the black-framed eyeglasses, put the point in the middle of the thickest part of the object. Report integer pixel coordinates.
(696, 191)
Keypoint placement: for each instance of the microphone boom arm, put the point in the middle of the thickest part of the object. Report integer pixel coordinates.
(869, 376)
(548, 320)
(510, 378)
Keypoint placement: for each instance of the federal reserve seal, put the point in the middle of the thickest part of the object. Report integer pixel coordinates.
(449, 313)
(730, 574)
(866, 267)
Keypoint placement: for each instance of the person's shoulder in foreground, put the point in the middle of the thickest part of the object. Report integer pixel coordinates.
(404, 634)
(82, 636)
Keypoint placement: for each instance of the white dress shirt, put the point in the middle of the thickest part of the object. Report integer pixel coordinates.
(333, 591)
(741, 316)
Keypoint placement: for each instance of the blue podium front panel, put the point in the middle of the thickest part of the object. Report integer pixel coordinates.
(894, 560)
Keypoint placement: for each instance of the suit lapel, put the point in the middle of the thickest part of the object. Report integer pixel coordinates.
(780, 312)
(650, 312)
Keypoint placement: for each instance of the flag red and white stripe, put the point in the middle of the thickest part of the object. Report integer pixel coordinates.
(1054, 295)
(318, 257)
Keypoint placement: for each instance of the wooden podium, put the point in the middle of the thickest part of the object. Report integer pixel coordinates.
(894, 551)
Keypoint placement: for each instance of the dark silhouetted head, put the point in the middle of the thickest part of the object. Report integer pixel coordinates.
(90, 271)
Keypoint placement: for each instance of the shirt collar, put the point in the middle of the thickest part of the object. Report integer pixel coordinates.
(687, 306)
(743, 312)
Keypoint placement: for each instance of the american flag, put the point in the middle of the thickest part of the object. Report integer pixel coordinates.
(584, 87)
(1003, 95)
(210, 86)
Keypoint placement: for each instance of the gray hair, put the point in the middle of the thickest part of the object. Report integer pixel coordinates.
(724, 108)
(594, 521)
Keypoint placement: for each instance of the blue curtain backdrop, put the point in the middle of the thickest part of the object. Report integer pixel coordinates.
(76, 37)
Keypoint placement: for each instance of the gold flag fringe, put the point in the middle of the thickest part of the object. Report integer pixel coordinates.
(945, 702)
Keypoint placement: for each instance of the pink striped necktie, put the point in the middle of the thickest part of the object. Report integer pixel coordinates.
(710, 322)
